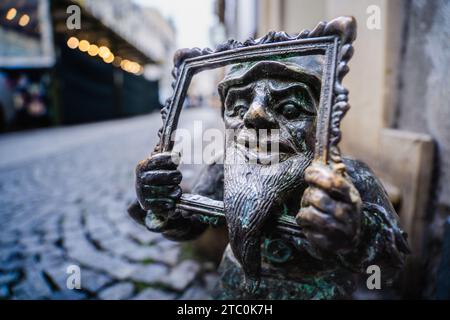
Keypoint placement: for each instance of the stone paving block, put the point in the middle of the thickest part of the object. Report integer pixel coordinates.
(93, 281)
(12, 265)
(9, 276)
(102, 262)
(154, 294)
(117, 245)
(58, 274)
(118, 291)
(168, 256)
(73, 240)
(52, 236)
(182, 275)
(68, 294)
(145, 237)
(97, 226)
(142, 253)
(35, 286)
(149, 274)
(4, 291)
(195, 293)
(30, 240)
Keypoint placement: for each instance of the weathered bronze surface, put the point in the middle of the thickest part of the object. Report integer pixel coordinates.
(305, 226)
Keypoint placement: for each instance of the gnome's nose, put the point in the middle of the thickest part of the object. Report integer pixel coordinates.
(257, 118)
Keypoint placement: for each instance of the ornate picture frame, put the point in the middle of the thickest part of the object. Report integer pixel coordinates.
(333, 40)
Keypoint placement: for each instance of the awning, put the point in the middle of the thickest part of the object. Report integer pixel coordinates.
(95, 32)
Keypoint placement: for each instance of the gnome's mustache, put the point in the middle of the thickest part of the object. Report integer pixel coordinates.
(252, 194)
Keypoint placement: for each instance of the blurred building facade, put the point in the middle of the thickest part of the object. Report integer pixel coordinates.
(111, 65)
(399, 122)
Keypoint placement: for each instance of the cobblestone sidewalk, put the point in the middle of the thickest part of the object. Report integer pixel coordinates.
(64, 194)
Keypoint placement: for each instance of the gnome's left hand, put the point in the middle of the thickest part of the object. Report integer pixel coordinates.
(330, 211)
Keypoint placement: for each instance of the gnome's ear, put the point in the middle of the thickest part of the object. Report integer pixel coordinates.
(222, 95)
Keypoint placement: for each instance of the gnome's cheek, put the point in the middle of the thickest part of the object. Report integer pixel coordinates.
(233, 122)
(301, 133)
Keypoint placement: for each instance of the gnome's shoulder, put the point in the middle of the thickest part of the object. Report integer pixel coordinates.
(365, 180)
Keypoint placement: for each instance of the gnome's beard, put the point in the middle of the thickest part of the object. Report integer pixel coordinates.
(252, 193)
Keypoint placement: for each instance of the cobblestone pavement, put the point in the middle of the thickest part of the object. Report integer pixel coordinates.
(64, 194)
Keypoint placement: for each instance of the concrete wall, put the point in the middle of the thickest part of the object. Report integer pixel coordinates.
(423, 106)
(368, 79)
(424, 96)
(372, 68)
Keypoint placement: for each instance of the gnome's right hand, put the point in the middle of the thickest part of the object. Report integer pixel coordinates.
(157, 183)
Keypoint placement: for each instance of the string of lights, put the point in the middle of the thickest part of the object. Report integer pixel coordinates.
(105, 54)
(23, 20)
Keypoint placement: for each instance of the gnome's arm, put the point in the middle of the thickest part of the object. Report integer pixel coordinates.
(177, 227)
(382, 242)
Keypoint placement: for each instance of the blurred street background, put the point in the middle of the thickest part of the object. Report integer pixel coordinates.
(81, 86)
(65, 203)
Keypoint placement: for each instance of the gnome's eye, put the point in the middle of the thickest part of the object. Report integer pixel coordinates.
(239, 109)
(290, 110)
(236, 110)
(300, 105)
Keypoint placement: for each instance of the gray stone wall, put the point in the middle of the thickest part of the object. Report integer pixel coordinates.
(424, 106)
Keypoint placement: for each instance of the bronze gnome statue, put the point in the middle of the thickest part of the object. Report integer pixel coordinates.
(346, 218)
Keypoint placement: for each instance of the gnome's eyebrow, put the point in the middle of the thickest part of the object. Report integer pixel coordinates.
(310, 80)
(281, 90)
(238, 92)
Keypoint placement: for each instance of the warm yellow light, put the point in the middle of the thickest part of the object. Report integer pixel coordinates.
(24, 20)
(104, 52)
(11, 14)
(124, 64)
(134, 67)
(93, 50)
(129, 66)
(73, 42)
(84, 45)
(109, 58)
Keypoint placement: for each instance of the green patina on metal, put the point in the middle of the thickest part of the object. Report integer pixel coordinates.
(212, 221)
(276, 250)
(276, 287)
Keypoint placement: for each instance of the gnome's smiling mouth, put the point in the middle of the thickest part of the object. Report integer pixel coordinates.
(265, 151)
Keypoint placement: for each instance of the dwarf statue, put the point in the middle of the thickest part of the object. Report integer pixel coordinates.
(347, 219)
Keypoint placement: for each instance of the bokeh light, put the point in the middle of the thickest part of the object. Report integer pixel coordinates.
(104, 52)
(24, 20)
(109, 58)
(84, 45)
(73, 42)
(11, 14)
(93, 50)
